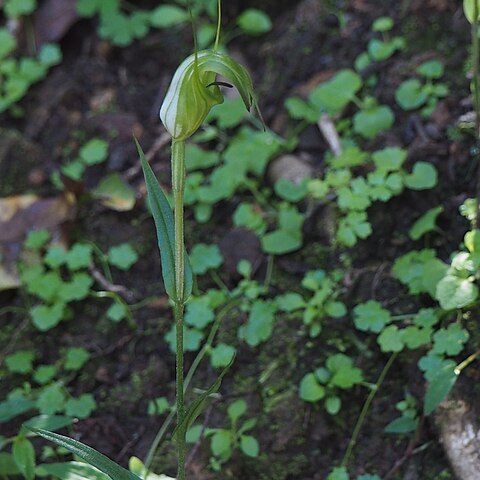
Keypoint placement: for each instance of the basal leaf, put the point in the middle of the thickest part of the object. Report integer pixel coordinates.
(91, 456)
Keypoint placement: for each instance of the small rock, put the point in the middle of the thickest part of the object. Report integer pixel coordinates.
(289, 167)
(240, 244)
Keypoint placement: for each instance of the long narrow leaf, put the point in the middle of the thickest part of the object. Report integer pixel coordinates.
(90, 455)
(199, 404)
(71, 471)
(163, 217)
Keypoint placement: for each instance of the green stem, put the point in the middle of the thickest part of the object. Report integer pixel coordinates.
(178, 187)
(466, 362)
(181, 441)
(366, 408)
(475, 52)
(476, 94)
(219, 25)
(188, 378)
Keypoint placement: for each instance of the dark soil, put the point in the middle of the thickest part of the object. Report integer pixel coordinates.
(111, 92)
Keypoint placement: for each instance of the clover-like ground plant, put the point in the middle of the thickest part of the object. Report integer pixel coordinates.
(194, 90)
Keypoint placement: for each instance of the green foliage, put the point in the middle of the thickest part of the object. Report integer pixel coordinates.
(24, 457)
(80, 407)
(91, 456)
(379, 50)
(254, 21)
(441, 383)
(288, 236)
(426, 223)
(351, 183)
(338, 373)
(382, 24)
(167, 16)
(122, 26)
(291, 192)
(246, 156)
(423, 176)
(372, 120)
(73, 470)
(355, 193)
(158, 406)
(93, 152)
(224, 441)
(75, 358)
(163, 217)
(414, 93)
(56, 288)
(199, 315)
(221, 355)
(335, 94)
(420, 270)
(18, 8)
(250, 216)
(259, 325)
(19, 74)
(205, 257)
(322, 304)
(408, 421)
(20, 361)
(338, 473)
(122, 256)
(115, 193)
(469, 10)
(454, 292)
(370, 316)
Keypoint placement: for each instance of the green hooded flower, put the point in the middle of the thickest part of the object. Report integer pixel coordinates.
(194, 91)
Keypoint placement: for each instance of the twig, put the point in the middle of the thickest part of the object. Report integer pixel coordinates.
(327, 127)
(111, 287)
(131, 443)
(195, 448)
(377, 277)
(366, 408)
(409, 452)
(159, 143)
(120, 343)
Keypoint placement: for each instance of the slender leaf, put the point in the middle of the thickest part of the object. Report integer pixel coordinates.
(91, 456)
(71, 471)
(199, 404)
(163, 217)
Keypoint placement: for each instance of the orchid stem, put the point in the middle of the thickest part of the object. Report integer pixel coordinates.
(219, 25)
(178, 187)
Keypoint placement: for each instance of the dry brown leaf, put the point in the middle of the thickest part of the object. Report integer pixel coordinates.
(21, 214)
(53, 19)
